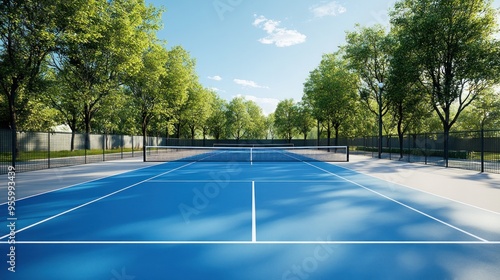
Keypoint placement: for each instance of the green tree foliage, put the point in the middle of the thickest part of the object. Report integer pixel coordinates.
(217, 121)
(368, 52)
(103, 46)
(212, 107)
(197, 110)
(285, 119)
(238, 119)
(457, 53)
(270, 129)
(484, 113)
(408, 105)
(179, 79)
(145, 86)
(4, 112)
(304, 120)
(28, 33)
(257, 127)
(245, 120)
(331, 92)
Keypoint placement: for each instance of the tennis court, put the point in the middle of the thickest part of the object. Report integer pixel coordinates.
(248, 216)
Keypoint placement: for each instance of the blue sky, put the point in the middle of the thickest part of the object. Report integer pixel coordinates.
(263, 49)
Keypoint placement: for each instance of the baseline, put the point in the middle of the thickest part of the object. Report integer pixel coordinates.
(257, 242)
(96, 200)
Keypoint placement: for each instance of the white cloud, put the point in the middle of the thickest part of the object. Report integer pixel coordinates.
(327, 9)
(217, 89)
(215, 78)
(268, 105)
(247, 83)
(281, 37)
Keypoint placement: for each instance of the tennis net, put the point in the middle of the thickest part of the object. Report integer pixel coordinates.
(247, 154)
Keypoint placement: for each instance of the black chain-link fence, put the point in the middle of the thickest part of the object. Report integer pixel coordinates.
(473, 150)
(42, 150)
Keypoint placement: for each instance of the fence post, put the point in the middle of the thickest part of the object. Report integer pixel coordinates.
(133, 147)
(13, 138)
(482, 150)
(86, 146)
(103, 147)
(48, 149)
(389, 137)
(425, 147)
(121, 145)
(409, 147)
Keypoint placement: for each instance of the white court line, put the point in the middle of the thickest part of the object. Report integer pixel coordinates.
(249, 180)
(254, 219)
(415, 189)
(399, 202)
(394, 200)
(347, 242)
(96, 200)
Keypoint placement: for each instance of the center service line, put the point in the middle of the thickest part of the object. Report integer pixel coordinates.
(254, 227)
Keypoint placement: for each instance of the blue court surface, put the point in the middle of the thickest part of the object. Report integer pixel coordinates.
(241, 220)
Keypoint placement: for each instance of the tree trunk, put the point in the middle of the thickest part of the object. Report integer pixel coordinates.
(178, 130)
(72, 126)
(13, 119)
(13, 128)
(446, 143)
(329, 135)
(336, 127)
(87, 119)
(401, 138)
(319, 133)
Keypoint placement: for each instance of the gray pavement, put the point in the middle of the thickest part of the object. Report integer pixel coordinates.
(36, 182)
(481, 190)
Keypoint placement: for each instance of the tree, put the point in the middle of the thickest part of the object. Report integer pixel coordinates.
(484, 113)
(216, 123)
(304, 120)
(285, 119)
(256, 129)
(60, 97)
(198, 109)
(458, 57)
(368, 52)
(28, 34)
(239, 120)
(269, 126)
(331, 92)
(408, 104)
(103, 46)
(179, 79)
(145, 86)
